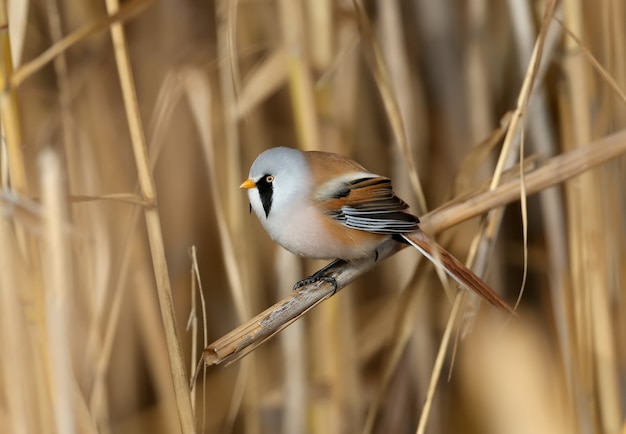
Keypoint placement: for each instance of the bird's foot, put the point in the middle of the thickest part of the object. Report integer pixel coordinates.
(315, 278)
(319, 276)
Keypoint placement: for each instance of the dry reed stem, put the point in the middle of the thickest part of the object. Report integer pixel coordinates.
(543, 139)
(553, 172)
(192, 321)
(197, 284)
(97, 397)
(524, 96)
(19, 404)
(325, 368)
(379, 71)
(130, 198)
(328, 350)
(150, 325)
(227, 209)
(229, 81)
(401, 86)
(300, 80)
(18, 182)
(308, 138)
(597, 360)
(12, 132)
(231, 41)
(403, 328)
(507, 157)
(169, 94)
(294, 350)
(74, 158)
(439, 360)
(321, 33)
(573, 98)
(125, 13)
(18, 17)
(153, 224)
(248, 336)
(479, 107)
(9, 110)
(198, 92)
(483, 241)
(608, 78)
(58, 292)
(268, 77)
(200, 100)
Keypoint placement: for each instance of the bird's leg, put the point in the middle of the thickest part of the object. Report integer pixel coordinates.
(319, 275)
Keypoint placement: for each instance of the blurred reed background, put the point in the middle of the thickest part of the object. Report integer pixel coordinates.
(108, 110)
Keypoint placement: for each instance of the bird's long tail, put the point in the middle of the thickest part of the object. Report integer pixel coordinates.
(455, 268)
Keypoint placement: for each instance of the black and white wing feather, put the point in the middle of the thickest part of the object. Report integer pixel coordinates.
(369, 204)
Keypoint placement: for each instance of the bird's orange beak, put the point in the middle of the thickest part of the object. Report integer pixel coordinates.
(248, 183)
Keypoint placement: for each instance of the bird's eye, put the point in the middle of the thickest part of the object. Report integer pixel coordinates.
(269, 179)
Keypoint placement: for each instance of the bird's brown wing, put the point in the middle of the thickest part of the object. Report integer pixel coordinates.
(368, 204)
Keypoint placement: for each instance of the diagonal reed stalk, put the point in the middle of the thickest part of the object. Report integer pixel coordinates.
(153, 224)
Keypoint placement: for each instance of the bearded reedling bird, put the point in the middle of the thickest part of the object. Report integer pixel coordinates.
(322, 205)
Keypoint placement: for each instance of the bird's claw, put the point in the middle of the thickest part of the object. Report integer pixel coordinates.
(317, 277)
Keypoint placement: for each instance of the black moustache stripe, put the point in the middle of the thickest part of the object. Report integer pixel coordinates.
(266, 192)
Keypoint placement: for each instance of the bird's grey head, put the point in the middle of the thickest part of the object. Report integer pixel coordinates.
(280, 176)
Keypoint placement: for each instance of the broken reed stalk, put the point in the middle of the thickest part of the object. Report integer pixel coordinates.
(254, 332)
(248, 336)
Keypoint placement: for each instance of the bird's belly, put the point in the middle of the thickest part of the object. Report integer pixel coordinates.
(305, 235)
